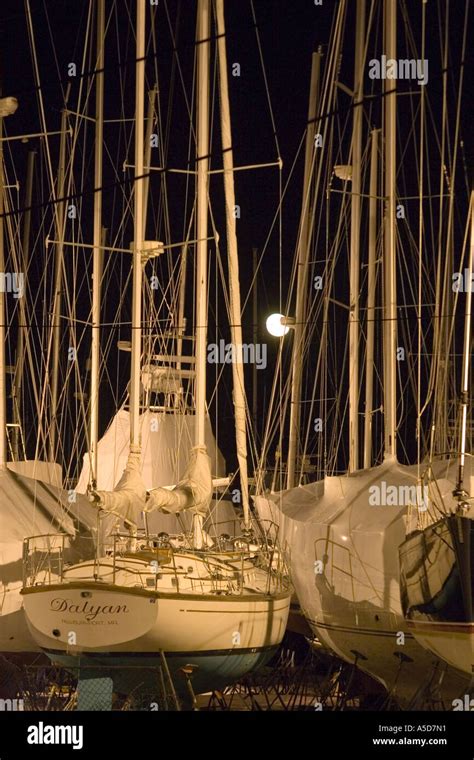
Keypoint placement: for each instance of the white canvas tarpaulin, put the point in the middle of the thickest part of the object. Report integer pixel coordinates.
(166, 440)
(30, 507)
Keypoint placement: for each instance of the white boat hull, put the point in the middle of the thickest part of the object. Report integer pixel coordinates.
(451, 642)
(345, 570)
(436, 580)
(123, 620)
(223, 639)
(213, 613)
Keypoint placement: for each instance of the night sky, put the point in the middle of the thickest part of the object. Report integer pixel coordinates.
(289, 33)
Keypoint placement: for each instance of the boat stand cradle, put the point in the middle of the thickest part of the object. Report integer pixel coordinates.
(315, 681)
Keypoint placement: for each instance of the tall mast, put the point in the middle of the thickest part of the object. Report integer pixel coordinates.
(390, 239)
(149, 126)
(180, 326)
(302, 275)
(202, 159)
(254, 338)
(3, 390)
(8, 106)
(22, 323)
(233, 263)
(57, 296)
(135, 443)
(371, 286)
(97, 254)
(354, 323)
(466, 363)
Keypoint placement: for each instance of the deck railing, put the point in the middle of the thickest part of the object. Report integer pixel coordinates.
(223, 568)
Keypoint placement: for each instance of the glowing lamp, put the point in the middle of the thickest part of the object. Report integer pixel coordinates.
(279, 325)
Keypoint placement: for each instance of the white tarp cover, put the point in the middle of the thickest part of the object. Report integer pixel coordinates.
(29, 507)
(166, 442)
(336, 520)
(47, 472)
(193, 492)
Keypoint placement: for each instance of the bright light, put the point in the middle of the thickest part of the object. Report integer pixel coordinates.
(275, 326)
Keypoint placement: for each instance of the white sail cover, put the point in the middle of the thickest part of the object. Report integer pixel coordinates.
(193, 492)
(127, 500)
(166, 441)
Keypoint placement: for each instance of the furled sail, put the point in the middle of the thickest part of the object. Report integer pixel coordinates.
(127, 500)
(193, 492)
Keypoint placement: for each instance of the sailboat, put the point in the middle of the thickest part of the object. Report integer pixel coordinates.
(344, 529)
(33, 498)
(214, 604)
(437, 557)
